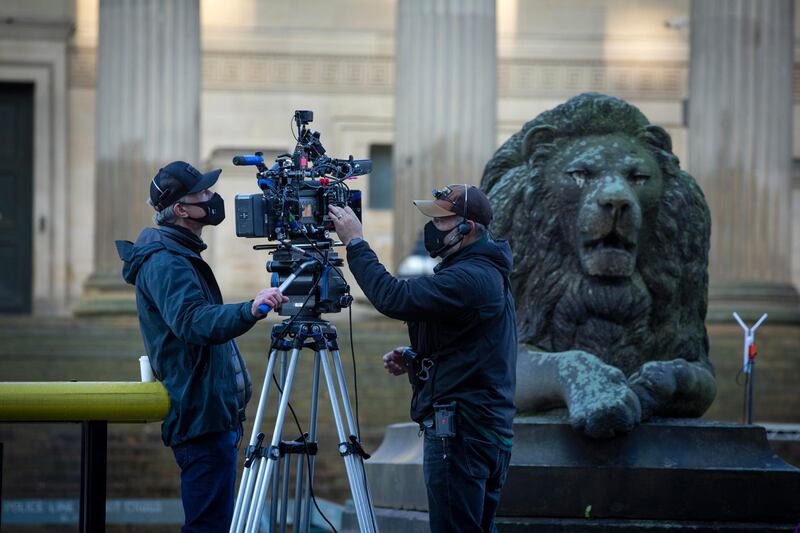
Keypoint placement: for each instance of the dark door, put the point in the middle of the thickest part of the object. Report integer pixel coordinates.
(16, 197)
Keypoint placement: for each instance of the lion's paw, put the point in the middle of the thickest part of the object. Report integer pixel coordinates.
(600, 402)
(655, 383)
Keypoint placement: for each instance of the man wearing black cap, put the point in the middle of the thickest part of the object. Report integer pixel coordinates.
(462, 329)
(188, 333)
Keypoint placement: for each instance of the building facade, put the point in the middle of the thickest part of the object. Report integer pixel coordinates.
(256, 62)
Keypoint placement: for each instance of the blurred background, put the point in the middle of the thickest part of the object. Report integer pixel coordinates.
(97, 95)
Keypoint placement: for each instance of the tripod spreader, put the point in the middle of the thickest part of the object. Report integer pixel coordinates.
(300, 445)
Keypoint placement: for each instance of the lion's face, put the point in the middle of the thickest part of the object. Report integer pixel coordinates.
(611, 187)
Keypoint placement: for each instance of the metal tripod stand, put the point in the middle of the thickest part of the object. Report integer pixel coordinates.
(264, 462)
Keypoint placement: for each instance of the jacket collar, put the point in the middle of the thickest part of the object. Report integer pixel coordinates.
(181, 240)
(469, 250)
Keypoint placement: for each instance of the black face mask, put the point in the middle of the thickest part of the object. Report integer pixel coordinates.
(215, 210)
(434, 240)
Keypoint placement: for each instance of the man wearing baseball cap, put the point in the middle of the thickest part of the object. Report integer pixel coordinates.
(188, 334)
(462, 358)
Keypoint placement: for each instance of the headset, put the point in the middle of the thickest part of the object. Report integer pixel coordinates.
(465, 227)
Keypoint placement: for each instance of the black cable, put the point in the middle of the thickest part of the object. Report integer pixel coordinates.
(280, 336)
(308, 458)
(358, 424)
(334, 267)
(283, 332)
(291, 128)
(355, 375)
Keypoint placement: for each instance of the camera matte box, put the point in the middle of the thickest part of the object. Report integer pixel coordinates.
(250, 213)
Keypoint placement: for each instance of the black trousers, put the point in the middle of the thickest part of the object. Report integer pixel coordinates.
(463, 475)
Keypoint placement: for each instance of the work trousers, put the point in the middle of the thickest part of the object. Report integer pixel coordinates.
(463, 475)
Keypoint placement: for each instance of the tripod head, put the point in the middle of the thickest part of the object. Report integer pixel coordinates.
(315, 284)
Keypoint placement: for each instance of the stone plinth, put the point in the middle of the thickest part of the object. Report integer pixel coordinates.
(685, 474)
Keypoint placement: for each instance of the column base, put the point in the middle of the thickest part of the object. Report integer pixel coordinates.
(751, 300)
(106, 295)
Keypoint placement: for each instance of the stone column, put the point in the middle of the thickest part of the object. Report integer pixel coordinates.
(445, 103)
(740, 151)
(148, 114)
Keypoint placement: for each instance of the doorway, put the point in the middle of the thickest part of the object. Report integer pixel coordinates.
(16, 197)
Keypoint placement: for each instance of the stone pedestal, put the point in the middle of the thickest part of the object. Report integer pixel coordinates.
(445, 103)
(740, 152)
(148, 114)
(676, 475)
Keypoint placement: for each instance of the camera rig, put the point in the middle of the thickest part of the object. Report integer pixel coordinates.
(297, 189)
(292, 209)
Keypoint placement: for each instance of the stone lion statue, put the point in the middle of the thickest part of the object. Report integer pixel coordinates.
(610, 240)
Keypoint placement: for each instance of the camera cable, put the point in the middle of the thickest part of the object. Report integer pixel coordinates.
(294, 415)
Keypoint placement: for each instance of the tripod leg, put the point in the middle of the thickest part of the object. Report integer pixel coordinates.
(248, 476)
(337, 364)
(254, 516)
(273, 507)
(298, 491)
(364, 515)
(305, 514)
(353, 426)
(284, 499)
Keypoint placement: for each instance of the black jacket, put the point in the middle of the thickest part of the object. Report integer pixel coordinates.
(188, 333)
(463, 318)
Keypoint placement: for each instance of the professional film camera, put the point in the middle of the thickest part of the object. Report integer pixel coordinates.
(297, 189)
(292, 209)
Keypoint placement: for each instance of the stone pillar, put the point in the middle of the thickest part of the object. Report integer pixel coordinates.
(148, 114)
(740, 151)
(445, 103)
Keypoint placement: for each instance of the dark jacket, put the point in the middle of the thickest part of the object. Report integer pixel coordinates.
(188, 333)
(463, 318)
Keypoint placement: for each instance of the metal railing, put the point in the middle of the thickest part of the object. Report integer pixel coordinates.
(94, 405)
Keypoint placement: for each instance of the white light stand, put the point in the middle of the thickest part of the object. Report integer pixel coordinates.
(749, 363)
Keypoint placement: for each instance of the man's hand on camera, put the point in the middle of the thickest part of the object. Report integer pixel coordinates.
(347, 225)
(272, 297)
(393, 361)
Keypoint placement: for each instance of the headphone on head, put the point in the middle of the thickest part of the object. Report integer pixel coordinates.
(465, 227)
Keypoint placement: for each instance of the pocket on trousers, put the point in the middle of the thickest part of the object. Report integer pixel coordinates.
(181, 455)
(481, 457)
(502, 470)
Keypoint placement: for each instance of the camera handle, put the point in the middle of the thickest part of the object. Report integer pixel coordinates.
(248, 160)
(264, 308)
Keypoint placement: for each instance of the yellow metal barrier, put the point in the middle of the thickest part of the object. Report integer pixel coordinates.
(94, 404)
(82, 401)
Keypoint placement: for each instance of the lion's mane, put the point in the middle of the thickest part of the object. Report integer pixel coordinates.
(672, 262)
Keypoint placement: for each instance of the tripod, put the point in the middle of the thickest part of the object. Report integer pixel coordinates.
(262, 463)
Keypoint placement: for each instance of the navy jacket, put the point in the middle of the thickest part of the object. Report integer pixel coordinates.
(463, 318)
(188, 333)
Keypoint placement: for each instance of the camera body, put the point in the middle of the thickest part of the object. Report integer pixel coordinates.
(297, 190)
(300, 207)
(292, 209)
